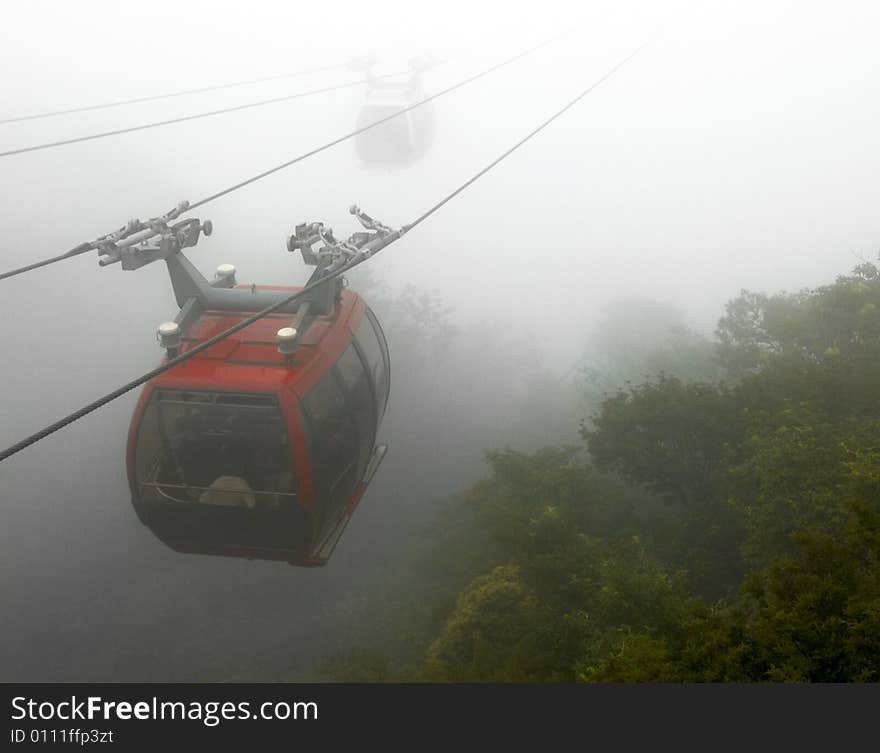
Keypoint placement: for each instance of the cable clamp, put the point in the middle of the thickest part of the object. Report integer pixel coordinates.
(137, 243)
(335, 253)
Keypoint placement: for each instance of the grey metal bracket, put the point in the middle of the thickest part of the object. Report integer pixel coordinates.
(189, 312)
(196, 295)
(335, 253)
(137, 243)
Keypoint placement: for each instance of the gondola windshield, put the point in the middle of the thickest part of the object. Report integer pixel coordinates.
(215, 448)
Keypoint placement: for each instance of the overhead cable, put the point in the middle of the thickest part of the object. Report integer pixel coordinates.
(195, 350)
(86, 247)
(184, 118)
(168, 95)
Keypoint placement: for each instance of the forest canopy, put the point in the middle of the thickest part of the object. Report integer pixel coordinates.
(719, 522)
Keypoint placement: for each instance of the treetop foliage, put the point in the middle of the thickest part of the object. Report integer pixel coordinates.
(718, 525)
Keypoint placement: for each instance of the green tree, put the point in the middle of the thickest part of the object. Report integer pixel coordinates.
(667, 435)
(834, 327)
(761, 495)
(564, 595)
(670, 437)
(635, 341)
(490, 637)
(811, 616)
(795, 472)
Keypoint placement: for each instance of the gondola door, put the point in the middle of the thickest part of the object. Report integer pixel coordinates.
(333, 452)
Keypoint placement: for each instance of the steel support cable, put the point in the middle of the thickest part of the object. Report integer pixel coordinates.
(85, 247)
(352, 134)
(522, 141)
(185, 118)
(171, 363)
(169, 95)
(82, 248)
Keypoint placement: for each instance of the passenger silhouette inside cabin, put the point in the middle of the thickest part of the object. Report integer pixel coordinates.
(231, 488)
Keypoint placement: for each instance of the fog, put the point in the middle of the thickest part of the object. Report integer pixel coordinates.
(738, 149)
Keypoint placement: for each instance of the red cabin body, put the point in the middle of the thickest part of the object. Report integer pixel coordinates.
(243, 451)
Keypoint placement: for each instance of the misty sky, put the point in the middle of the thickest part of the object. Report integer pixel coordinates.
(739, 149)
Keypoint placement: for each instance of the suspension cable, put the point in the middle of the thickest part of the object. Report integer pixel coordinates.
(169, 95)
(84, 248)
(185, 118)
(522, 141)
(356, 132)
(195, 350)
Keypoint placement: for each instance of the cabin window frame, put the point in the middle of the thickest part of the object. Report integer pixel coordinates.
(333, 502)
(370, 321)
(155, 410)
(365, 441)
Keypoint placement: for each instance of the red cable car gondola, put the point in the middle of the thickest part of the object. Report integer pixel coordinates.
(262, 445)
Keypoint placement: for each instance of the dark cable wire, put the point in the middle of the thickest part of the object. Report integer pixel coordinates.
(367, 127)
(526, 138)
(169, 95)
(171, 363)
(82, 248)
(183, 119)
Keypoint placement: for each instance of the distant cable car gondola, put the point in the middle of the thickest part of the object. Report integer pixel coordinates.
(405, 139)
(262, 445)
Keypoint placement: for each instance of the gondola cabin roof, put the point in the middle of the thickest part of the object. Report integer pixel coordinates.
(249, 361)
